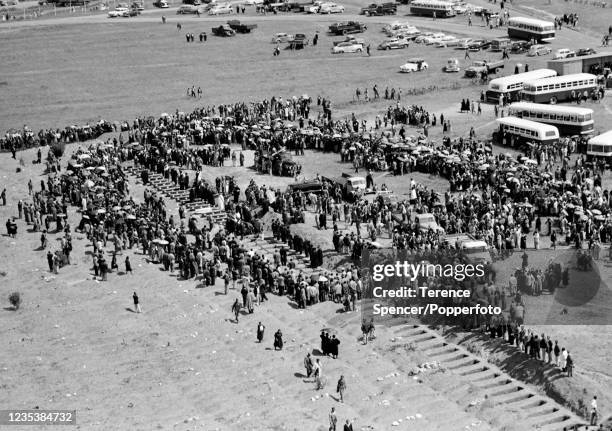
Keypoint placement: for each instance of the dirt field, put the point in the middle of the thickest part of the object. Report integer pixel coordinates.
(182, 364)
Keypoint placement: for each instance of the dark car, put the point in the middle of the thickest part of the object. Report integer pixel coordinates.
(378, 10)
(520, 47)
(479, 44)
(342, 28)
(585, 51)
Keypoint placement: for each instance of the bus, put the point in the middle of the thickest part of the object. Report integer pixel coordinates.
(510, 86)
(442, 9)
(516, 132)
(560, 88)
(570, 120)
(500, 44)
(600, 146)
(531, 29)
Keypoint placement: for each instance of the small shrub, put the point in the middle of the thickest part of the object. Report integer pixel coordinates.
(15, 300)
(58, 149)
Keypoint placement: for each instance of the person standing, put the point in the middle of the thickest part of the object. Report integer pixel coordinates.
(308, 365)
(278, 340)
(333, 419)
(128, 265)
(260, 332)
(136, 303)
(594, 412)
(318, 374)
(3, 197)
(348, 426)
(236, 309)
(340, 388)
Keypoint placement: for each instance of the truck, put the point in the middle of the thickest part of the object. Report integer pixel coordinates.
(427, 221)
(239, 27)
(223, 30)
(342, 28)
(473, 250)
(297, 6)
(480, 66)
(352, 186)
(299, 41)
(379, 9)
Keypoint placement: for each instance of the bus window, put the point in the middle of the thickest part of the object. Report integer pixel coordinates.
(550, 133)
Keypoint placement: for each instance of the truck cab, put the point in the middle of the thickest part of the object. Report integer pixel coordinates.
(427, 221)
(475, 251)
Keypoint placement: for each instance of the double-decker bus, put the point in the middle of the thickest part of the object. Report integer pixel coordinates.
(516, 132)
(559, 88)
(510, 86)
(570, 120)
(531, 29)
(600, 146)
(442, 9)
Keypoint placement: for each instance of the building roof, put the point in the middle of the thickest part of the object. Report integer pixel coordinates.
(581, 58)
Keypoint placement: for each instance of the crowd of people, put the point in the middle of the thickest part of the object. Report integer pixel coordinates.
(502, 199)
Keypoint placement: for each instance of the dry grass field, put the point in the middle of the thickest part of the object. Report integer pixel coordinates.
(182, 364)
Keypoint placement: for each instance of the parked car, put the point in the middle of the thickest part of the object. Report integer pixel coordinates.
(398, 25)
(331, 8)
(464, 43)
(447, 40)
(585, 51)
(344, 47)
(461, 8)
(520, 47)
(378, 10)
(427, 221)
(393, 43)
(282, 38)
(223, 30)
(341, 28)
(406, 33)
(118, 11)
(414, 65)
(419, 39)
(161, 4)
(479, 44)
(187, 9)
(563, 53)
(221, 9)
(452, 65)
(480, 66)
(351, 39)
(537, 50)
(433, 39)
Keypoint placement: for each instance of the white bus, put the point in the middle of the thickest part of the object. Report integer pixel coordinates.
(570, 120)
(516, 132)
(600, 146)
(510, 86)
(442, 9)
(560, 88)
(531, 29)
